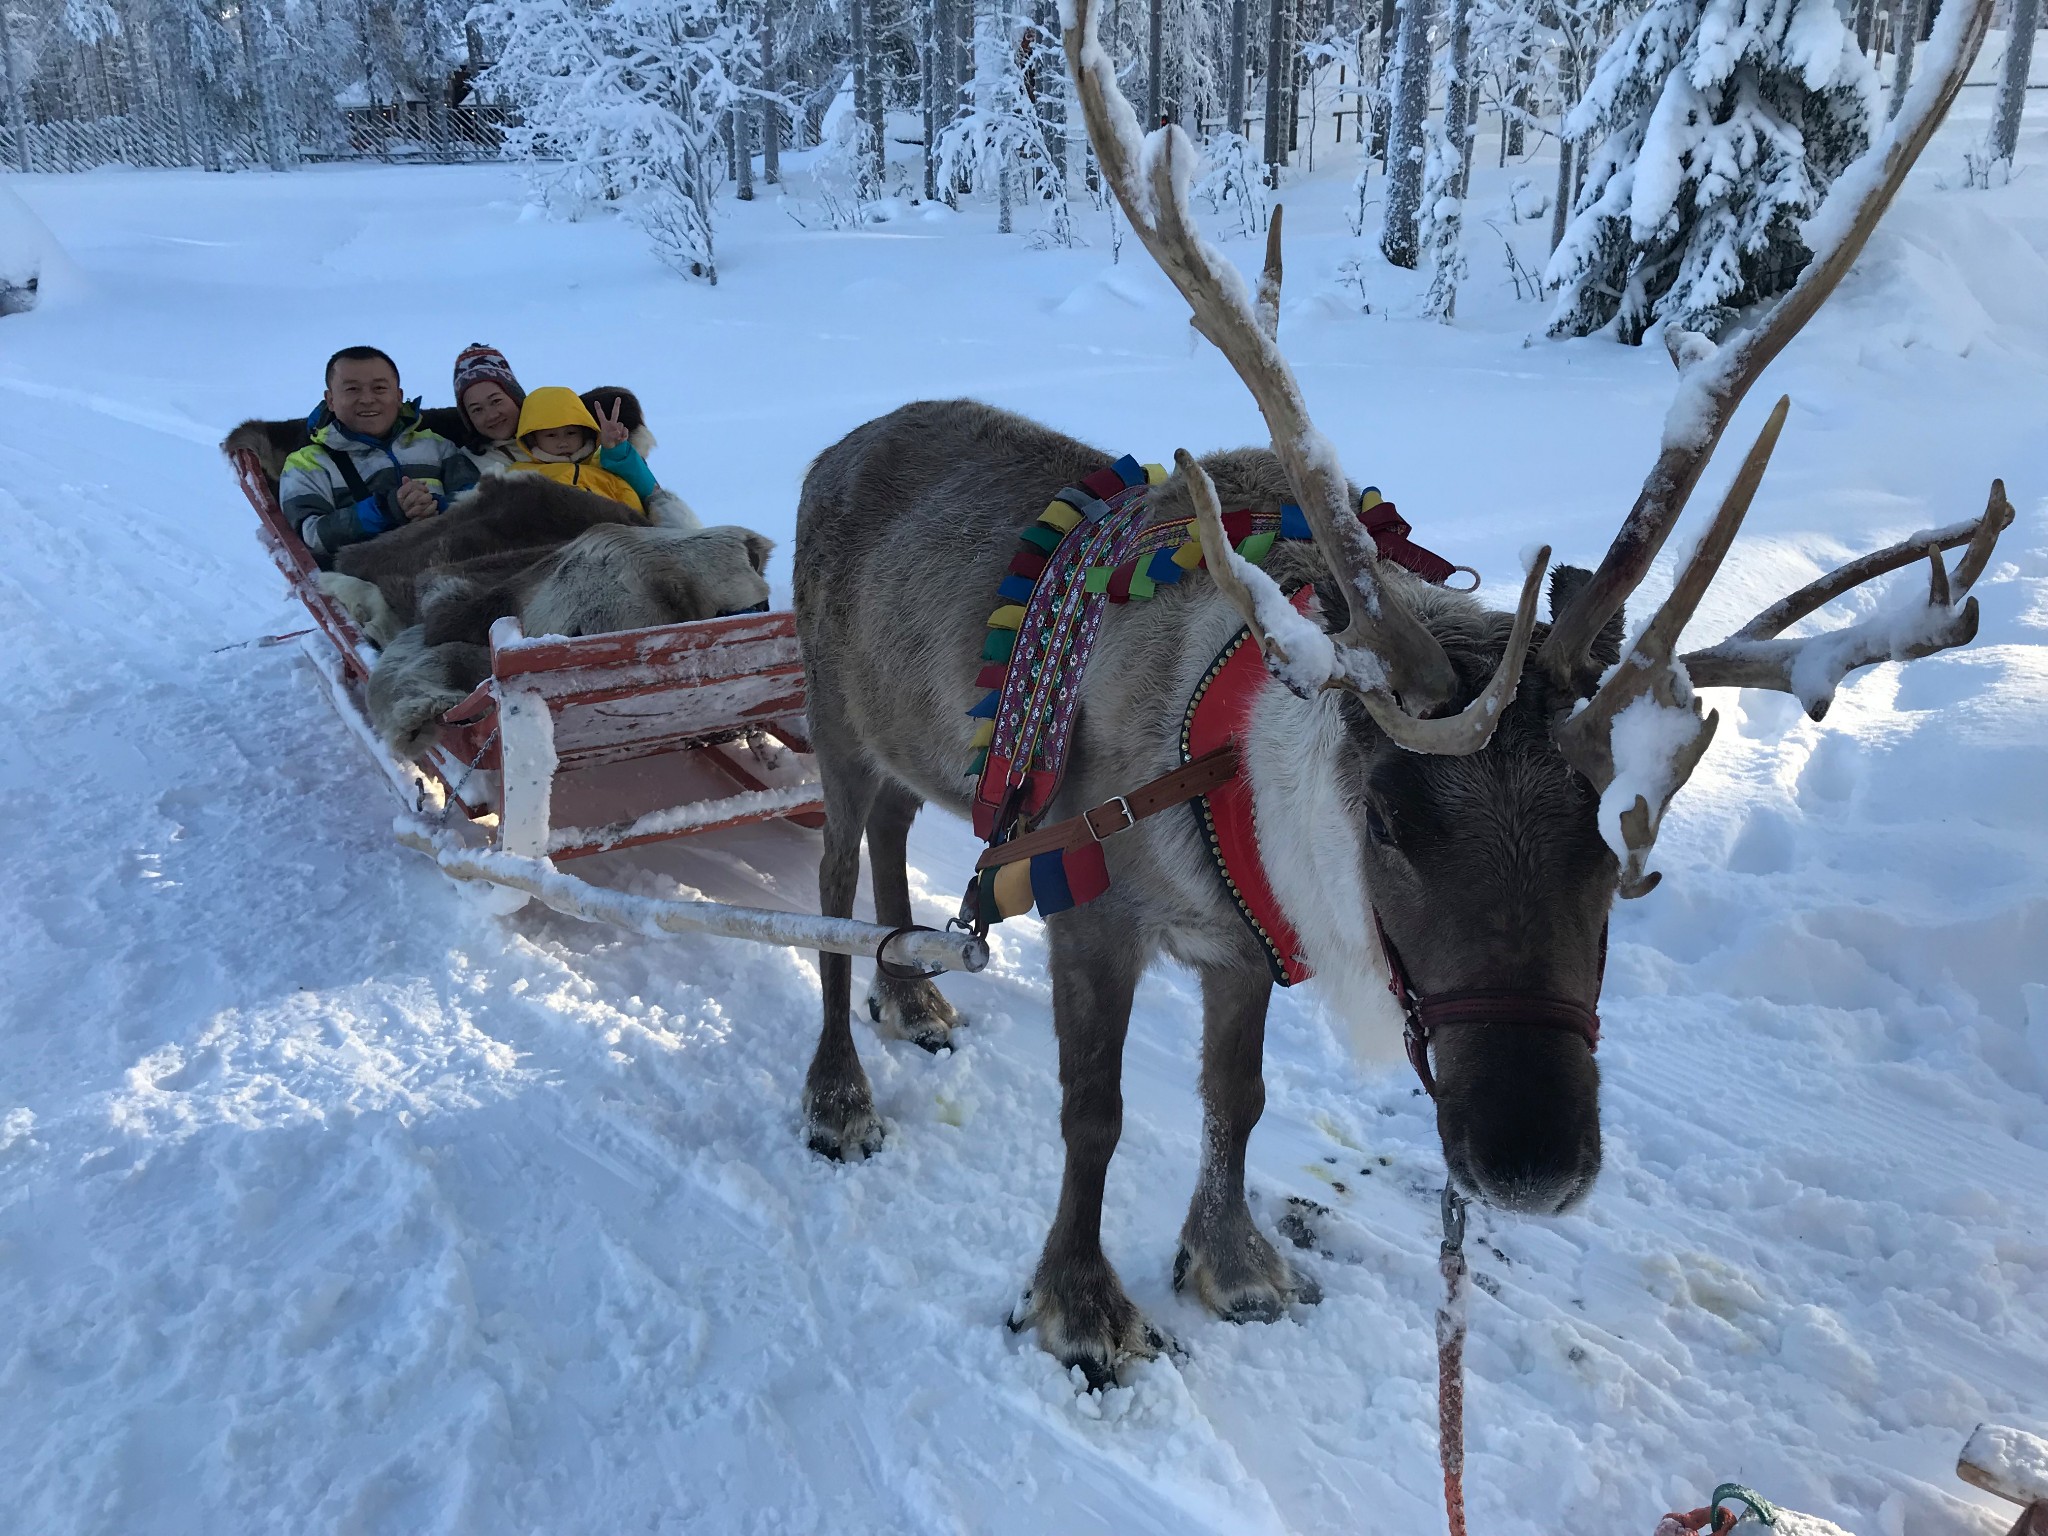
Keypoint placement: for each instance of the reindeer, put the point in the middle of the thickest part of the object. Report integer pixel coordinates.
(1434, 781)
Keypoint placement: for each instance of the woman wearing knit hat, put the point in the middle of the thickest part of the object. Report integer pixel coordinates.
(489, 397)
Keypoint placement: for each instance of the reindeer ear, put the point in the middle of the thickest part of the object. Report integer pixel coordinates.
(1565, 583)
(1328, 617)
(759, 547)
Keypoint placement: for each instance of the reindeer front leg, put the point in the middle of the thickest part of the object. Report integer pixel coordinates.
(1224, 1257)
(1076, 1302)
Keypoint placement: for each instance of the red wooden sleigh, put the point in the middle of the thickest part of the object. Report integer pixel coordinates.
(579, 746)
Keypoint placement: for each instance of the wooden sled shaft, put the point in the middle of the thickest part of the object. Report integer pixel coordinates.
(921, 949)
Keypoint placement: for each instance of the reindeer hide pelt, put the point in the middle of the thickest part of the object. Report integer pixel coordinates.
(415, 684)
(608, 579)
(520, 515)
(271, 441)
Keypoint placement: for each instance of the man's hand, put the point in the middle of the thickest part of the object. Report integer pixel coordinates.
(610, 430)
(415, 500)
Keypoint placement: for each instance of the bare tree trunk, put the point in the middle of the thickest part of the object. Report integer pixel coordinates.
(742, 130)
(950, 78)
(877, 107)
(1080, 166)
(1233, 101)
(1276, 94)
(958, 32)
(1909, 39)
(1469, 133)
(1561, 209)
(928, 96)
(939, 95)
(1459, 101)
(1399, 239)
(1297, 74)
(1382, 108)
(991, 47)
(1458, 92)
(867, 89)
(1155, 64)
(857, 45)
(1512, 131)
(1049, 66)
(2012, 79)
(1866, 23)
(771, 111)
(17, 109)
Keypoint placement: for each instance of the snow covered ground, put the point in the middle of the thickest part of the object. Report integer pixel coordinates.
(333, 1204)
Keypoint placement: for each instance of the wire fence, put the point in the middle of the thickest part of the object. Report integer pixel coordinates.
(155, 138)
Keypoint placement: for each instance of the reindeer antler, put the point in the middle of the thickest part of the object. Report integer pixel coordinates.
(1646, 680)
(1711, 389)
(1255, 596)
(1712, 384)
(1812, 668)
(1384, 649)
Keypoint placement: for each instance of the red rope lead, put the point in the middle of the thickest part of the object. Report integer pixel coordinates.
(1450, 1360)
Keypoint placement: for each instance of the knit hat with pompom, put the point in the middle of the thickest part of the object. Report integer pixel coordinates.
(479, 364)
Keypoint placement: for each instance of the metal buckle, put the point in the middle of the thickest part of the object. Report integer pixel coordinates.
(1120, 803)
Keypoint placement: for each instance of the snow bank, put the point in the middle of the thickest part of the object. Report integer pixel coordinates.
(34, 271)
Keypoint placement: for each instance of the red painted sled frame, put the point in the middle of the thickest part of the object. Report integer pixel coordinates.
(622, 727)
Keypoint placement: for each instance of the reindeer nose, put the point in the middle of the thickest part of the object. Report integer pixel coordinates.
(1531, 1180)
(1519, 1114)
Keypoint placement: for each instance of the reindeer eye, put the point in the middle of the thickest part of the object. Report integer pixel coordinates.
(1376, 826)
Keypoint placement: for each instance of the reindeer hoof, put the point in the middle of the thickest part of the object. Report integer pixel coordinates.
(915, 1011)
(1100, 1333)
(1254, 1284)
(842, 1128)
(840, 1146)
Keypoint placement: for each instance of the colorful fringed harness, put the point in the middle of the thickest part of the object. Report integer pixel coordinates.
(1090, 547)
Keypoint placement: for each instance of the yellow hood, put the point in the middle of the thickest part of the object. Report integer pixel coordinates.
(554, 406)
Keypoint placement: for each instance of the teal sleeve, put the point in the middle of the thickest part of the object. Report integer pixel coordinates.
(624, 461)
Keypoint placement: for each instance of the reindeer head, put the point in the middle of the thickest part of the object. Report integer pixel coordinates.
(1497, 808)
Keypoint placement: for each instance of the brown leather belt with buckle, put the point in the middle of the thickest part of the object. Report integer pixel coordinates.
(1119, 813)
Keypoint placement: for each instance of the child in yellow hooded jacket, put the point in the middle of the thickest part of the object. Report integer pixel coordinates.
(572, 447)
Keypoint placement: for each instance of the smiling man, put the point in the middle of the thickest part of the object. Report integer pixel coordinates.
(371, 466)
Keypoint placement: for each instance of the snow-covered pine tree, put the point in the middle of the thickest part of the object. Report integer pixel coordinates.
(1722, 124)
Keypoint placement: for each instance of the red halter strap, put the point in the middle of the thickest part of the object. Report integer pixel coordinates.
(1429, 1012)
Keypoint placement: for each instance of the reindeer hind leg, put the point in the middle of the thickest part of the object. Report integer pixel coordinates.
(904, 1008)
(839, 1106)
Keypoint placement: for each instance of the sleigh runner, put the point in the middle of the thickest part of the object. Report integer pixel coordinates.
(575, 746)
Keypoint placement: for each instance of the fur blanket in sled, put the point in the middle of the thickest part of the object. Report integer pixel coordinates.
(560, 560)
(605, 579)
